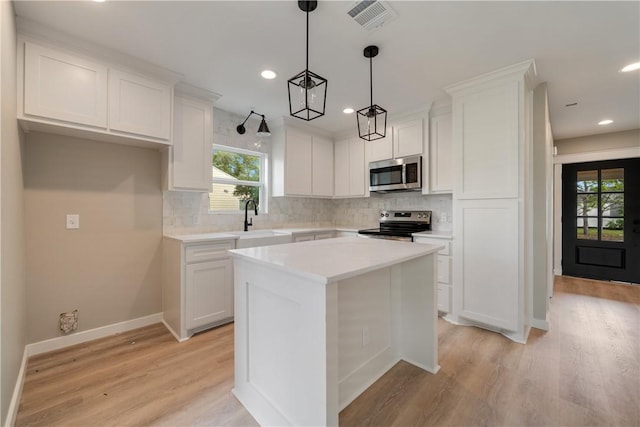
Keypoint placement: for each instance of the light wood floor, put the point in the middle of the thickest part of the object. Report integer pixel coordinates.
(583, 372)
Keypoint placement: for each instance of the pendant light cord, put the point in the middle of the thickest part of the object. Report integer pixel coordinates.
(371, 79)
(307, 69)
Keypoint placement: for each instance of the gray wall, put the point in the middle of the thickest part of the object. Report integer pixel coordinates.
(600, 142)
(109, 269)
(13, 311)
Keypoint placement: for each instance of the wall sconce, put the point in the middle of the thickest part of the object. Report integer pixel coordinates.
(263, 129)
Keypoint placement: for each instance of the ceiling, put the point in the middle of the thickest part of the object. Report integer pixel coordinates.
(222, 46)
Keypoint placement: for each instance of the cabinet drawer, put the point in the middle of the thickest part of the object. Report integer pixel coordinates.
(444, 269)
(439, 242)
(209, 251)
(444, 298)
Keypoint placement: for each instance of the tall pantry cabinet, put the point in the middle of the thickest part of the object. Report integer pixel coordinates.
(492, 207)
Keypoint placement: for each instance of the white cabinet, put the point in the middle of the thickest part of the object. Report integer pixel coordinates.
(75, 95)
(302, 164)
(209, 298)
(408, 138)
(197, 285)
(381, 149)
(187, 163)
(322, 167)
(308, 236)
(402, 139)
(444, 273)
(491, 200)
(440, 154)
(64, 87)
(351, 172)
(139, 105)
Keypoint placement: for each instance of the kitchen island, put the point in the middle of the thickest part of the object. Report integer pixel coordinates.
(318, 322)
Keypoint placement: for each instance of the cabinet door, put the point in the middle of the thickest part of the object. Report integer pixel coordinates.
(192, 142)
(407, 138)
(209, 292)
(322, 168)
(357, 182)
(64, 87)
(139, 106)
(486, 262)
(441, 154)
(298, 163)
(341, 158)
(381, 149)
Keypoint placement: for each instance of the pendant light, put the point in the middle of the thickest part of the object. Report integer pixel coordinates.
(263, 129)
(307, 90)
(372, 120)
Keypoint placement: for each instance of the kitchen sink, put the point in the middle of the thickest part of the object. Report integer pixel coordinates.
(253, 238)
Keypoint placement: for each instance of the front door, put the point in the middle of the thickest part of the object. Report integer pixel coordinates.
(601, 220)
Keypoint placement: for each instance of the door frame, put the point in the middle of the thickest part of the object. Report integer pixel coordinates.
(558, 161)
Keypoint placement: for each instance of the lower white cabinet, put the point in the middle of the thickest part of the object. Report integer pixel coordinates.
(304, 237)
(444, 270)
(197, 285)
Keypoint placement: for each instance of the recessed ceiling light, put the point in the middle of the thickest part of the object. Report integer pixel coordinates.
(605, 122)
(268, 74)
(348, 110)
(631, 67)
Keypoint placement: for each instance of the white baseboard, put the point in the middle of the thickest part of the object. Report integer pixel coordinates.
(175, 335)
(17, 392)
(557, 271)
(92, 334)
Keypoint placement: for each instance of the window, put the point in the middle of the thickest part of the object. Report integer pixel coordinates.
(237, 175)
(600, 205)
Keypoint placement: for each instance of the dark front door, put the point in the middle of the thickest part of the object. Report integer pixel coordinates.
(601, 220)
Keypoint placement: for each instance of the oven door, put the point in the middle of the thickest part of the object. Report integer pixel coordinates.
(374, 233)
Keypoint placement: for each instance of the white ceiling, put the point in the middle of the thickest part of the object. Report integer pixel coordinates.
(223, 45)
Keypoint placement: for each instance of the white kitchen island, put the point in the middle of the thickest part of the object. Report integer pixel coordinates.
(318, 322)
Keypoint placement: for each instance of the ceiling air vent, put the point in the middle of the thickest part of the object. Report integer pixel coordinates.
(372, 14)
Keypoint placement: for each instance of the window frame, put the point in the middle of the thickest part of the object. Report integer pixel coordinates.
(261, 183)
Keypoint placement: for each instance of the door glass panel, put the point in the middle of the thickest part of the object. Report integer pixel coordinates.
(587, 181)
(612, 229)
(587, 228)
(612, 204)
(613, 179)
(587, 205)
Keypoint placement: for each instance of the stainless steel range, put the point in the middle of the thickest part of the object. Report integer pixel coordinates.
(399, 225)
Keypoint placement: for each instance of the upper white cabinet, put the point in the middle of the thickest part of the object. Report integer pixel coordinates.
(64, 87)
(351, 174)
(381, 149)
(322, 167)
(408, 138)
(73, 94)
(403, 139)
(302, 163)
(139, 105)
(187, 163)
(440, 153)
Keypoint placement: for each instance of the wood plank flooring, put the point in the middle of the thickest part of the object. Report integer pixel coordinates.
(583, 372)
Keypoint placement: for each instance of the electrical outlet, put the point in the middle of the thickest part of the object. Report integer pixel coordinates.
(73, 221)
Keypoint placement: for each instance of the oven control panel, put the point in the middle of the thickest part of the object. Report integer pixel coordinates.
(405, 216)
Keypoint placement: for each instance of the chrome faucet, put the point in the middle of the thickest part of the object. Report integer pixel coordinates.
(249, 222)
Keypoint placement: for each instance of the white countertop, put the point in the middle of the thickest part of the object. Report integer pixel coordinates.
(201, 237)
(331, 260)
(436, 234)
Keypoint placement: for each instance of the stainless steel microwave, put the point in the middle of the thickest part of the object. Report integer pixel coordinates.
(402, 174)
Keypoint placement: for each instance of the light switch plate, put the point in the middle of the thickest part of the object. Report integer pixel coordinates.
(73, 221)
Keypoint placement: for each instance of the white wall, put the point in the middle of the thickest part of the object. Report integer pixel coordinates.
(13, 305)
(599, 142)
(110, 269)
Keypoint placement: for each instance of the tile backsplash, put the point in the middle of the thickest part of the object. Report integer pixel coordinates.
(188, 212)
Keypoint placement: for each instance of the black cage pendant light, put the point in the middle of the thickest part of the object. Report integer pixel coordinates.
(372, 120)
(307, 90)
